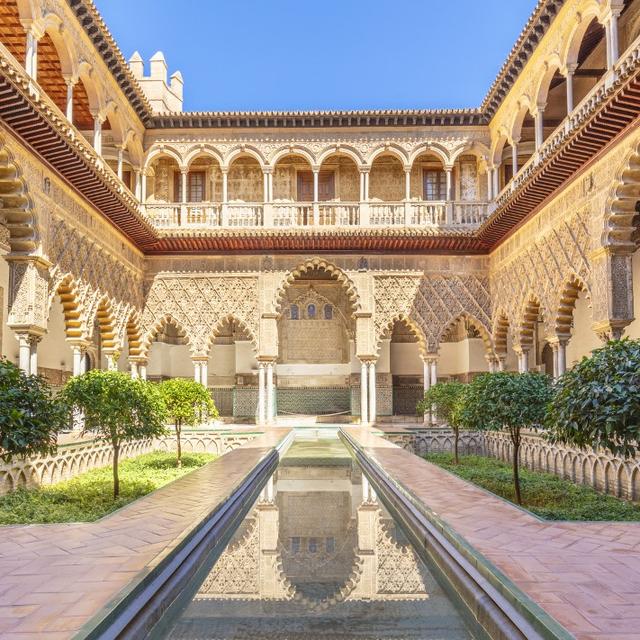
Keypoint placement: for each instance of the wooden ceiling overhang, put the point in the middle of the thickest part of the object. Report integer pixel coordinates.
(34, 120)
(593, 129)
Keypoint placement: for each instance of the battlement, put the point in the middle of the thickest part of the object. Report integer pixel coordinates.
(163, 95)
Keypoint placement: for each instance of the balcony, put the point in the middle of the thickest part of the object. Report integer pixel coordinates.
(215, 215)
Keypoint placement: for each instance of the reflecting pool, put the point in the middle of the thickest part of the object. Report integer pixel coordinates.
(317, 556)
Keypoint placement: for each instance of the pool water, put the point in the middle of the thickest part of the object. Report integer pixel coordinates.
(316, 557)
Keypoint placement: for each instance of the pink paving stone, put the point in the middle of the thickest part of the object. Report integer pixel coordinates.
(44, 568)
(561, 566)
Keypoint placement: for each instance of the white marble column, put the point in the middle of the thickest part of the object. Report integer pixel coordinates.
(571, 69)
(434, 371)
(31, 59)
(514, 156)
(364, 395)
(184, 174)
(78, 358)
(270, 390)
(33, 354)
(373, 412)
(262, 408)
(407, 183)
(523, 360)
(490, 195)
(133, 368)
(142, 369)
(112, 362)
(539, 125)
(143, 186)
(120, 162)
(197, 371)
(316, 196)
(426, 385)
(24, 353)
(97, 133)
(449, 183)
(69, 105)
(496, 181)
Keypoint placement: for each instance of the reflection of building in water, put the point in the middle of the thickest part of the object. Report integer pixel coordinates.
(316, 538)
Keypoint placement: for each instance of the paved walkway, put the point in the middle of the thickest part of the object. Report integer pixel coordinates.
(586, 575)
(54, 578)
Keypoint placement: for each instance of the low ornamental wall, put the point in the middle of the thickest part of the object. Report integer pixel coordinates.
(73, 459)
(598, 469)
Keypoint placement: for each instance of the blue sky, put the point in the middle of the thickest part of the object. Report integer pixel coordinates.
(325, 54)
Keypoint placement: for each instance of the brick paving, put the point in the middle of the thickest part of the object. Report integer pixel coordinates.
(586, 575)
(54, 578)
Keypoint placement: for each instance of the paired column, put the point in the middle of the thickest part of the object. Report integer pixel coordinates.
(112, 360)
(426, 384)
(539, 125)
(28, 352)
(266, 392)
(98, 119)
(611, 35)
(224, 214)
(373, 412)
(70, 82)
(201, 370)
(523, 359)
(364, 393)
(79, 359)
(138, 367)
(31, 58)
(559, 349)
(364, 196)
(316, 195)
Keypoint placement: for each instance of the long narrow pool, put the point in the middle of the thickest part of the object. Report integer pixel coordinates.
(317, 556)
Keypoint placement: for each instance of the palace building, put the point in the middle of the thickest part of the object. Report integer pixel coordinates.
(316, 263)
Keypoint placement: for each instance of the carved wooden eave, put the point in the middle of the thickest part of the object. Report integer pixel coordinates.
(384, 239)
(318, 119)
(611, 112)
(95, 27)
(36, 121)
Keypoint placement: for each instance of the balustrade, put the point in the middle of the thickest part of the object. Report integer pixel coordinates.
(324, 214)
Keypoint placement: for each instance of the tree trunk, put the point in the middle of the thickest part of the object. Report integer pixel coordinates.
(516, 473)
(116, 479)
(178, 432)
(456, 437)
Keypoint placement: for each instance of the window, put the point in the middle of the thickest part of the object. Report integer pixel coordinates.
(328, 312)
(330, 545)
(295, 312)
(435, 185)
(195, 186)
(311, 312)
(313, 545)
(326, 186)
(295, 545)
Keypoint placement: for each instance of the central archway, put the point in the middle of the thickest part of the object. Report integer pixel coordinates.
(316, 354)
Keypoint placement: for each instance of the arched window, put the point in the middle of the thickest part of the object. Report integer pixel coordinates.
(311, 312)
(295, 312)
(328, 312)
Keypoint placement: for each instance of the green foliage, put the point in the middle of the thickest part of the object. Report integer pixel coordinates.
(30, 418)
(507, 402)
(597, 402)
(88, 496)
(546, 495)
(188, 402)
(116, 408)
(447, 399)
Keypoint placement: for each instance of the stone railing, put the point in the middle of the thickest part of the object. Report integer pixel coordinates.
(206, 215)
(598, 469)
(73, 459)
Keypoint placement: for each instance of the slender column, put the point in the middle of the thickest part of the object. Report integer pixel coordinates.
(613, 35)
(562, 357)
(133, 369)
(490, 195)
(142, 369)
(364, 196)
(514, 156)
(24, 353)
(501, 362)
(69, 110)
(270, 185)
(78, 357)
(407, 183)
(143, 186)
(364, 395)
(491, 361)
(31, 60)
(554, 351)
(112, 361)
(539, 123)
(261, 393)
(204, 373)
(523, 360)
(571, 69)
(184, 173)
(270, 392)
(434, 371)
(225, 185)
(120, 161)
(197, 371)
(449, 183)
(137, 184)
(316, 196)
(265, 187)
(366, 186)
(33, 354)
(426, 384)
(496, 181)
(372, 392)
(362, 189)
(97, 133)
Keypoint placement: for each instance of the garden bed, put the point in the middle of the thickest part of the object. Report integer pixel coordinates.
(544, 494)
(89, 496)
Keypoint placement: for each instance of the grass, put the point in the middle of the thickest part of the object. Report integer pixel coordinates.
(544, 494)
(89, 496)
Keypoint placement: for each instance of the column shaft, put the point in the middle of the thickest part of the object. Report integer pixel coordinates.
(24, 354)
(364, 395)
(407, 184)
(514, 157)
(270, 390)
(120, 161)
(97, 135)
(69, 110)
(539, 124)
(569, 92)
(372, 393)
(261, 393)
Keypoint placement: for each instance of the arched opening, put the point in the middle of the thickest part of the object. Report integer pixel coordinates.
(316, 346)
(85, 104)
(12, 33)
(503, 341)
(429, 179)
(169, 355)
(526, 144)
(293, 190)
(55, 355)
(532, 339)
(629, 24)
(245, 191)
(163, 190)
(232, 371)
(400, 358)
(339, 200)
(554, 95)
(588, 56)
(50, 74)
(506, 170)
(386, 190)
(462, 351)
(8, 339)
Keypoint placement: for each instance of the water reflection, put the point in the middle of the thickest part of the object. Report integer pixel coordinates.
(319, 557)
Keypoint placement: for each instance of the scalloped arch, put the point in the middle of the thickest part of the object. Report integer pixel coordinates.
(484, 332)
(151, 334)
(411, 324)
(221, 322)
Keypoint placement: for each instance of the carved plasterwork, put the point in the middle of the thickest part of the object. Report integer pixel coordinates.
(200, 304)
